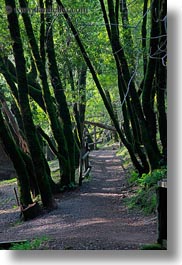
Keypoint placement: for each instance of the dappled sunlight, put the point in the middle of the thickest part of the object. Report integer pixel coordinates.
(48, 226)
(54, 224)
(9, 211)
(110, 190)
(112, 180)
(94, 212)
(105, 155)
(93, 221)
(114, 161)
(112, 168)
(100, 194)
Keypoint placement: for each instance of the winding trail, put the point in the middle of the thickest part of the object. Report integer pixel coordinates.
(93, 217)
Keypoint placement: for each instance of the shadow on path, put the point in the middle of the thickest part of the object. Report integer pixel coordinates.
(93, 217)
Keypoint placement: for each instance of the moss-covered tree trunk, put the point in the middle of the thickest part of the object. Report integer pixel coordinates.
(55, 121)
(127, 35)
(144, 35)
(60, 96)
(29, 128)
(154, 156)
(81, 106)
(15, 155)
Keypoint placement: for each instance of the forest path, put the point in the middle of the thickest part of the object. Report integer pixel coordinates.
(92, 217)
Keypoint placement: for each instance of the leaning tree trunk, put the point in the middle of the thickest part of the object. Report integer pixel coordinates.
(15, 155)
(19, 139)
(33, 142)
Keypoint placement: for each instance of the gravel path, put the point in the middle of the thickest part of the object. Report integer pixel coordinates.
(91, 218)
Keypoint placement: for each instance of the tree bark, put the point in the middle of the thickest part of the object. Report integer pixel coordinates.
(35, 150)
(153, 156)
(149, 86)
(15, 155)
(144, 36)
(56, 123)
(133, 134)
(60, 98)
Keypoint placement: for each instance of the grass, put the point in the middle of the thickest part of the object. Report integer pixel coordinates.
(9, 181)
(153, 247)
(34, 244)
(144, 198)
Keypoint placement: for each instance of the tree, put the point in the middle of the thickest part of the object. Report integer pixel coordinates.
(135, 108)
(30, 131)
(67, 66)
(15, 155)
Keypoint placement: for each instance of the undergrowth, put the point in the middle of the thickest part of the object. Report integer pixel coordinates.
(29, 245)
(145, 197)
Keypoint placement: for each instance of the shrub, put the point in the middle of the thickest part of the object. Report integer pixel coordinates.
(145, 196)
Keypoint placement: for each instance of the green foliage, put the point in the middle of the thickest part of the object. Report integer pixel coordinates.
(153, 247)
(9, 181)
(151, 179)
(145, 196)
(133, 178)
(91, 29)
(40, 117)
(29, 245)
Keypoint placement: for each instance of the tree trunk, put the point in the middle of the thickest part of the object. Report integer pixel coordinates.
(56, 123)
(133, 134)
(15, 155)
(60, 98)
(113, 106)
(161, 76)
(144, 36)
(33, 142)
(127, 35)
(148, 86)
(153, 156)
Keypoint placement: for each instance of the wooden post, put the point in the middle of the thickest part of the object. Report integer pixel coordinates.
(80, 166)
(95, 140)
(84, 168)
(162, 212)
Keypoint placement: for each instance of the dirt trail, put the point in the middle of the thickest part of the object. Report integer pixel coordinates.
(90, 218)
